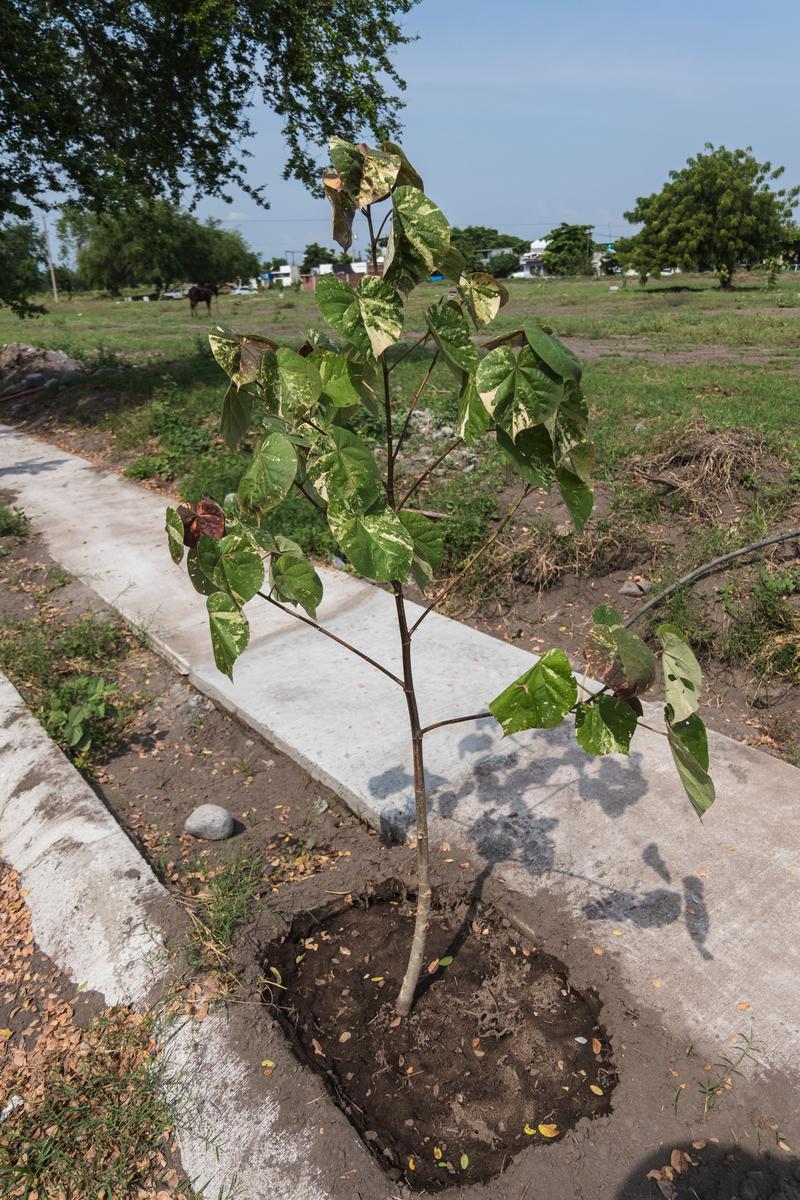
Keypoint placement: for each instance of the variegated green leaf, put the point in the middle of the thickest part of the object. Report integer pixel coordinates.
(270, 475)
(347, 160)
(376, 543)
(419, 239)
(540, 698)
(605, 726)
(299, 384)
(295, 581)
(231, 566)
(428, 539)
(682, 675)
(688, 742)
(370, 316)
(531, 455)
(473, 419)
(343, 469)
(230, 631)
(406, 174)
(174, 528)
(379, 173)
(483, 296)
(239, 354)
(452, 335)
(553, 353)
(341, 379)
(517, 393)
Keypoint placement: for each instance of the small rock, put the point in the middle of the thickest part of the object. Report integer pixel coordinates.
(211, 822)
(635, 587)
(320, 806)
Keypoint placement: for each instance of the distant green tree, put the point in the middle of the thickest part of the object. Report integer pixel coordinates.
(569, 250)
(154, 243)
(636, 254)
(501, 265)
(790, 243)
(315, 254)
(474, 239)
(716, 213)
(22, 261)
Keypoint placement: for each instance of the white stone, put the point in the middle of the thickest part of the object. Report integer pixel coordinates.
(211, 822)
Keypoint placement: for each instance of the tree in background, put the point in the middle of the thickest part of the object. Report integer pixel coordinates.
(569, 250)
(155, 243)
(22, 259)
(314, 255)
(104, 101)
(473, 240)
(502, 265)
(719, 211)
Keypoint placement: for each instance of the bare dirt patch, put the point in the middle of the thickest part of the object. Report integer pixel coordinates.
(499, 1053)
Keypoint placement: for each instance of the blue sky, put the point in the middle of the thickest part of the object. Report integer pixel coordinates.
(520, 115)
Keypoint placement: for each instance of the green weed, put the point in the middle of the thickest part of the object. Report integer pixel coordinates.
(13, 522)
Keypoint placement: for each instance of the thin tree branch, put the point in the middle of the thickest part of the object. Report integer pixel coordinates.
(426, 473)
(387, 409)
(309, 497)
(410, 350)
(339, 641)
(471, 562)
(709, 568)
(479, 716)
(382, 224)
(414, 403)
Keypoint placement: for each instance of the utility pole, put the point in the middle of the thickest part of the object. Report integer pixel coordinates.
(49, 258)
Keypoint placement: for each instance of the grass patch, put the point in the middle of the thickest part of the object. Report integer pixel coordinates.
(219, 908)
(58, 672)
(100, 1122)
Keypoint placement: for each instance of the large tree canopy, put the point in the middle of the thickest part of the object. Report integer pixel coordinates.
(154, 243)
(99, 98)
(718, 211)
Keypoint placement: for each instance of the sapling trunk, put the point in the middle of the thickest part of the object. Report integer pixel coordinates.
(417, 954)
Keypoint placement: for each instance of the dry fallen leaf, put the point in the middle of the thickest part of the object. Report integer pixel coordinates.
(345, 1037)
(598, 950)
(548, 1131)
(598, 1091)
(432, 965)
(317, 1048)
(656, 983)
(596, 1045)
(742, 1006)
(393, 1024)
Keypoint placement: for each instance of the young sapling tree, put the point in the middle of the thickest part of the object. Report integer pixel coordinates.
(523, 388)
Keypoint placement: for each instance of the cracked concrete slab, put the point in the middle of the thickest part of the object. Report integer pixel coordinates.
(697, 918)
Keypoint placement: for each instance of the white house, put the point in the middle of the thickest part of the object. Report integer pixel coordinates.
(532, 261)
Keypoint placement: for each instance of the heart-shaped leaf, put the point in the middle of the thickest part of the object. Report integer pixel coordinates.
(229, 631)
(419, 239)
(540, 698)
(376, 543)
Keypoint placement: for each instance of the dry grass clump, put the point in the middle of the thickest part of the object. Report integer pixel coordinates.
(705, 465)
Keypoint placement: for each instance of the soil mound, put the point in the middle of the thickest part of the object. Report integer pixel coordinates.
(24, 367)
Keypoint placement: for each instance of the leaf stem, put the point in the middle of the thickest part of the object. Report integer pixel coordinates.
(309, 497)
(427, 472)
(409, 350)
(471, 562)
(334, 638)
(479, 716)
(414, 404)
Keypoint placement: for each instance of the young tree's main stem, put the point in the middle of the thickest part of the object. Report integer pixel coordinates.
(423, 914)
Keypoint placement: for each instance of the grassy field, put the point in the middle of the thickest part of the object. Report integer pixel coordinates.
(679, 364)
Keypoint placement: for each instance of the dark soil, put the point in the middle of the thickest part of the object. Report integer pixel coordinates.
(498, 1046)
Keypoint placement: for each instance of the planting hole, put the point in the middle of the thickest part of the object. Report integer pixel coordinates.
(499, 1053)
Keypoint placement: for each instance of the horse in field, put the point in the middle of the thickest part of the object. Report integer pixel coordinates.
(202, 294)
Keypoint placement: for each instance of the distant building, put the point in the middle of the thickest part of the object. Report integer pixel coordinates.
(352, 274)
(486, 256)
(532, 261)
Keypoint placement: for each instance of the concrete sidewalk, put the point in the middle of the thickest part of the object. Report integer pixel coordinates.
(696, 918)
